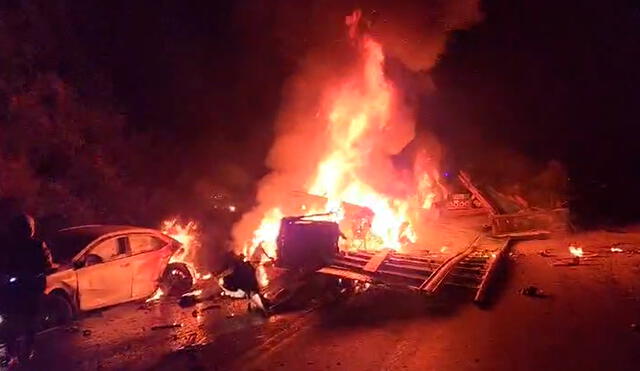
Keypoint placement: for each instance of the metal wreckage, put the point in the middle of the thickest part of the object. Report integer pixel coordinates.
(480, 225)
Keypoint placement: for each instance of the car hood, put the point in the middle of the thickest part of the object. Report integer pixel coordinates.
(58, 268)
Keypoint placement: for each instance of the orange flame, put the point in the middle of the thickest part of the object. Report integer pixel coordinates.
(187, 235)
(361, 114)
(265, 236)
(576, 251)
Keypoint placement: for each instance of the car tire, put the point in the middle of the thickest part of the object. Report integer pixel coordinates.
(57, 310)
(177, 279)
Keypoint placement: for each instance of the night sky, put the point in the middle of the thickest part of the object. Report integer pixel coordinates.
(535, 80)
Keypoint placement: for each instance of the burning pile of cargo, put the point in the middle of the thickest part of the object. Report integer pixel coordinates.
(355, 191)
(340, 151)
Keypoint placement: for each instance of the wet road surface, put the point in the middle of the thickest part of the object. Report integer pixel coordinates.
(137, 335)
(585, 323)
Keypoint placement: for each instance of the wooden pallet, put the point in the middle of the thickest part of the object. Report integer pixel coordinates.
(474, 267)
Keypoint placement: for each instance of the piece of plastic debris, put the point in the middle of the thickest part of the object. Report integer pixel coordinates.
(533, 292)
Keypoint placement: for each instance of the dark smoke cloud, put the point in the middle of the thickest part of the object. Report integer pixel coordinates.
(416, 31)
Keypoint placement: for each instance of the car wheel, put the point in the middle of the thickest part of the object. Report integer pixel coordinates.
(177, 279)
(57, 310)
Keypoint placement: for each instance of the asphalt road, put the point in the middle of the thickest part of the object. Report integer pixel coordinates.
(584, 323)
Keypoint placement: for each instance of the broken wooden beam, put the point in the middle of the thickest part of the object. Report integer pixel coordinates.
(376, 261)
(466, 181)
(525, 235)
(491, 271)
(432, 284)
(344, 273)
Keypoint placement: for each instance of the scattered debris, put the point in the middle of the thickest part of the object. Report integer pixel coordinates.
(533, 292)
(188, 301)
(193, 293)
(163, 327)
(546, 253)
(197, 312)
(570, 262)
(86, 333)
(72, 329)
(578, 257)
(627, 247)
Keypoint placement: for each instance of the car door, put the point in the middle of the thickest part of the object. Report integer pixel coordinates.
(149, 256)
(105, 275)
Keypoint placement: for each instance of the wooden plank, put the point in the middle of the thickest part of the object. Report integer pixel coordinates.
(417, 277)
(432, 284)
(466, 180)
(415, 260)
(353, 258)
(491, 270)
(526, 235)
(334, 271)
(360, 253)
(410, 267)
(377, 260)
(347, 264)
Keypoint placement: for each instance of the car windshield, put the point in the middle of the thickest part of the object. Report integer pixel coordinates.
(64, 245)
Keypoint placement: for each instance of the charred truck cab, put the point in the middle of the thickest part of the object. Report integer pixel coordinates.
(307, 244)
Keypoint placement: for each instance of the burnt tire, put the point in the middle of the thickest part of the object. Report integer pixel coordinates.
(56, 310)
(177, 279)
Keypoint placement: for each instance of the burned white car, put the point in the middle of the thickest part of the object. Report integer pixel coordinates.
(104, 265)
